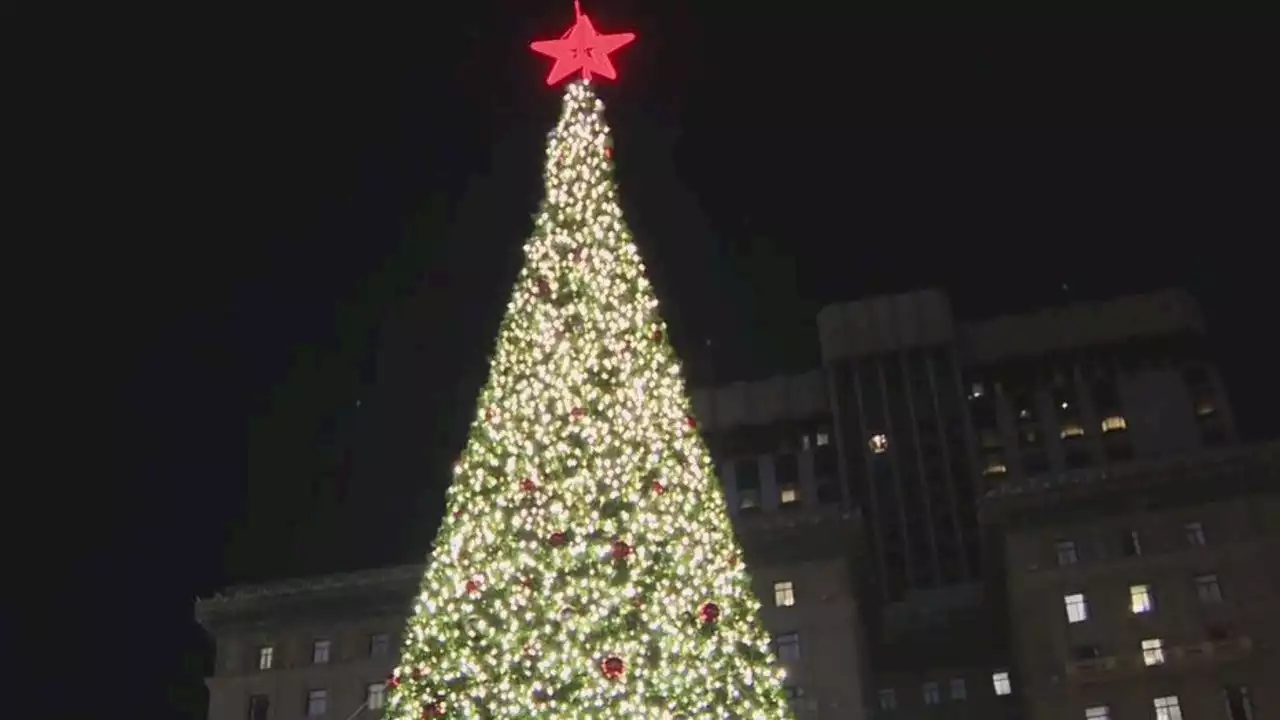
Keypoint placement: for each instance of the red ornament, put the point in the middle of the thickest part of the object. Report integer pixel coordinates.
(557, 539)
(433, 710)
(578, 413)
(608, 152)
(657, 334)
(473, 587)
(393, 681)
(691, 422)
(490, 414)
(658, 488)
(457, 514)
(613, 667)
(620, 550)
(581, 48)
(527, 485)
(710, 613)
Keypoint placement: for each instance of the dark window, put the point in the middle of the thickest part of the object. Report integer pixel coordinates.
(379, 644)
(1131, 541)
(259, 707)
(1086, 652)
(1239, 704)
(824, 461)
(746, 473)
(828, 492)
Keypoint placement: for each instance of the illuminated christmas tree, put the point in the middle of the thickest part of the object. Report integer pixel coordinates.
(586, 566)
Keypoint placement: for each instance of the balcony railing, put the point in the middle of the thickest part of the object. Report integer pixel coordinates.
(1176, 657)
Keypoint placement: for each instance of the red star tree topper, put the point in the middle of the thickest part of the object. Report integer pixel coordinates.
(582, 48)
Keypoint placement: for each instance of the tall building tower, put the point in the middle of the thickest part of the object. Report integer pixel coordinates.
(907, 439)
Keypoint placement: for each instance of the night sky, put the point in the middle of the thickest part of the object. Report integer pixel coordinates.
(307, 227)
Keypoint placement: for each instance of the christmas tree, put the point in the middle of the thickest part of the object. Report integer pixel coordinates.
(586, 566)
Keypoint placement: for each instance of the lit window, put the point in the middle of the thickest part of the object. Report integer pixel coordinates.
(932, 695)
(1153, 651)
(1205, 407)
(1167, 708)
(995, 465)
(878, 443)
(888, 699)
(788, 494)
(266, 654)
(748, 498)
(1208, 589)
(1113, 423)
(975, 391)
(784, 594)
(1195, 533)
(320, 652)
(958, 691)
(375, 696)
(787, 646)
(1140, 599)
(1066, 552)
(1077, 608)
(317, 703)
(1070, 429)
(379, 643)
(1097, 712)
(1000, 681)
(823, 439)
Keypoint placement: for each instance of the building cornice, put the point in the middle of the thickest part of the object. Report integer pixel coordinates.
(1250, 468)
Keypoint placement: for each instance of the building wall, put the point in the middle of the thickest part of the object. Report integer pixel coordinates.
(1066, 666)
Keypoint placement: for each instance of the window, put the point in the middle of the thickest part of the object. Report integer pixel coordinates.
(1140, 599)
(375, 697)
(747, 473)
(320, 652)
(1112, 423)
(317, 703)
(1071, 429)
(1167, 708)
(1077, 608)
(788, 647)
(994, 465)
(784, 593)
(1239, 706)
(878, 443)
(1153, 651)
(1131, 540)
(822, 438)
(379, 644)
(932, 695)
(958, 691)
(259, 707)
(1207, 589)
(266, 654)
(786, 470)
(888, 699)
(1195, 533)
(788, 495)
(1097, 712)
(793, 692)
(1066, 552)
(1000, 681)
(1086, 652)
(1205, 407)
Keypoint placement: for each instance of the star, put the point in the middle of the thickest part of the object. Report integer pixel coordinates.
(582, 48)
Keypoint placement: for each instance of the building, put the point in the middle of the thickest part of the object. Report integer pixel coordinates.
(1146, 588)
(860, 482)
(322, 647)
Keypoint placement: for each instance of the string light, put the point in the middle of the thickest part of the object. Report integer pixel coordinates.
(586, 567)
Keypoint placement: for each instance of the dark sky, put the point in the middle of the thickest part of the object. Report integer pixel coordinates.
(306, 227)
